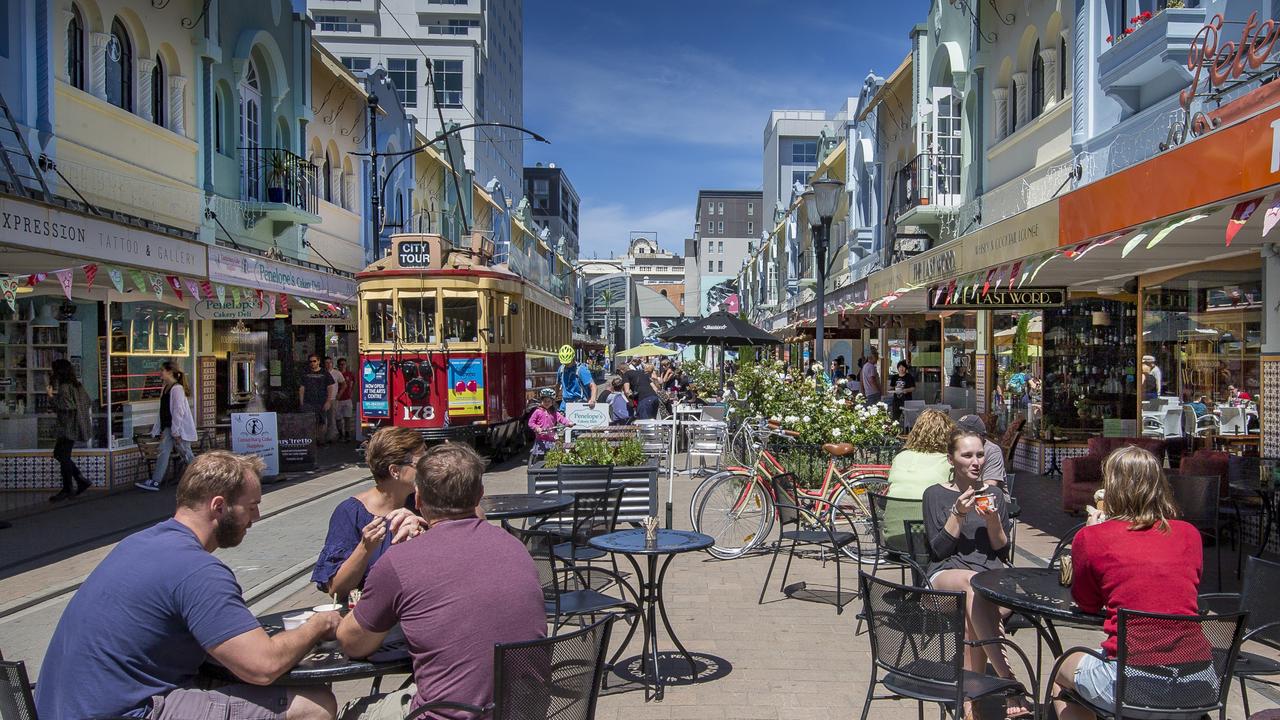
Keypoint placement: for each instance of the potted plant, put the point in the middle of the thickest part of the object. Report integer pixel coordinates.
(277, 175)
(627, 463)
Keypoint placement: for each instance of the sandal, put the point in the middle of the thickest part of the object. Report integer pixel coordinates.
(1016, 708)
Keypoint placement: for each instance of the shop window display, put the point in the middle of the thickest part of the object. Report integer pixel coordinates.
(1089, 364)
(143, 336)
(1018, 345)
(959, 344)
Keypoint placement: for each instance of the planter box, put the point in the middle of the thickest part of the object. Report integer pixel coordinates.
(639, 501)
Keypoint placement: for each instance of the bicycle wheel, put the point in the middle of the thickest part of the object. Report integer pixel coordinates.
(852, 501)
(699, 492)
(737, 512)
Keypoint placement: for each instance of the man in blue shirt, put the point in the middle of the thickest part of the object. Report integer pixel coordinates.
(133, 637)
(575, 380)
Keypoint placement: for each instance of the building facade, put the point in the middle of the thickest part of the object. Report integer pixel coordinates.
(727, 228)
(555, 204)
(472, 49)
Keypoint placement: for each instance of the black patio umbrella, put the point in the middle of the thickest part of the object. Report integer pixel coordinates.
(719, 329)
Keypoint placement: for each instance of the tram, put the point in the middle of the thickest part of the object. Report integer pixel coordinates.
(453, 347)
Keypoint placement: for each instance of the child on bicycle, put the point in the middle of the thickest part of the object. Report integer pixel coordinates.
(544, 422)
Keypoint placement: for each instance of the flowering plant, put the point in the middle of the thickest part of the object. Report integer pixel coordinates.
(1135, 22)
(819, 412)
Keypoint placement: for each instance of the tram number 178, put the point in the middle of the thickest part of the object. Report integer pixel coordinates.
(419, 412)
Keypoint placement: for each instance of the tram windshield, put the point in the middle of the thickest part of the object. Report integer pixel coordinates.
(461, 319)
(381, 321)
(419, 317)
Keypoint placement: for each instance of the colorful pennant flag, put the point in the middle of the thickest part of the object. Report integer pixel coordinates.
(221, 292)
(9, 288)
(1240, 216)
(987, 284)
(35, 279)
(176, 283)
(271, 299)
(193, 287)
(235, 296)
(1164, 232)
(951, 291)
(1272, 215)
(282, 305)
(117, 278)
(1014, 271)
(139, 280)
(206, 290)
(157, 285)
(1134, 242)
(65, 278)
(262, 299)
(90, 272)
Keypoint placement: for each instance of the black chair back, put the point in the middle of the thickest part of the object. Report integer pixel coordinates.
(1063, 547)
(594, 513)
(892, 520)
(1197, 498)
(15, 695)
(1258, 598)
(556, 677)
(915, 632)
(1175, 664)
(784, 490)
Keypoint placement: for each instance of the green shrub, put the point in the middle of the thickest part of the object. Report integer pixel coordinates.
(593, 451)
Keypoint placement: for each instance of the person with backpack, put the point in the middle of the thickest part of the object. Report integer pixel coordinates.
(175, 425)
(70, 403)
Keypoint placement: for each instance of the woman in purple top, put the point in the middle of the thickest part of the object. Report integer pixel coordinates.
(364, 526)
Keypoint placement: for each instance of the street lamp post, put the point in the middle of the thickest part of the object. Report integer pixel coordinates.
(820, 201)
(374, 214)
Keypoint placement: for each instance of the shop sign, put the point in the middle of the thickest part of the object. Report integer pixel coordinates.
(466, 386)
(255, 434)
(373, 389)
(584, 416)
(230, 310)
(1167, 300)
(238, 268)
(1028, 299)
(934, 266)
(1227, 62)
(297, 440)
(1029, 232)
(413, 254)
(342, 317)
(39, 227)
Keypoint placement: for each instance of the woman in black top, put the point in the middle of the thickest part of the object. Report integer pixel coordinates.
(70, 403)
(965, 524)
(903, 385)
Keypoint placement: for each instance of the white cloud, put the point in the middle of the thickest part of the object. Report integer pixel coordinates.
(606, 228)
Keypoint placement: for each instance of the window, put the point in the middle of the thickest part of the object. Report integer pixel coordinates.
(454, 27)
(219, 122)
(751, 228)
(1062, 67)
(711, 207)
(800, 177)
(461, 319)
(357, 64)
(448, 79)
(719, 266)
(419, 314)
(720, 209)
(711, 266)
(328, 176)
(542, 194)
(720, 227)
(709, 244)
(1036, 99)
(404, 73)
(720, 246)
(804, 152)
(337, 23)
(75, 49)
(1013, 106)
(751, 208)
(380, 317)
(157, 93)
(251, 133)
(711, 227)
(446, 2)
(119, 63)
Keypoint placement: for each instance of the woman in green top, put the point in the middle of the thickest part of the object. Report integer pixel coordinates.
(923, 463)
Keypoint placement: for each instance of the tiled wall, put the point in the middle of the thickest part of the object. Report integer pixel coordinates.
(1034, 456)
(980, 381)
(1271, 406)
(29, 478)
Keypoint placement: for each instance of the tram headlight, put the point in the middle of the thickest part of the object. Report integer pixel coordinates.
(417, 379)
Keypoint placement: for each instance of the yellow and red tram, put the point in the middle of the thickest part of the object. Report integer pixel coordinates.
(453, 347)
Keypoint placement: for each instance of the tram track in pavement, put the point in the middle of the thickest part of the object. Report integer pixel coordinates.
(253, 594)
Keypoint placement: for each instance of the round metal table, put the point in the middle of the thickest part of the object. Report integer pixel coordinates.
(1037, 595)
(326, 663)
(509, 507)
(632, 544)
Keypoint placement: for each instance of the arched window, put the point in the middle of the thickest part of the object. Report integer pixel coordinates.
(328, 176)
(75, 49)
(119, 63)
(251, 134)
(1036, 98)
(1013, 106)
(219, 121)
(1062, 67)
(158, 105)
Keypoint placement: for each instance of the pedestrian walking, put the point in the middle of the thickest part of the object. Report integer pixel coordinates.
(175, 425)
(331, 415)
(345, 407)
(71, 405)
(575, 379)
(870, 377)
(315, 395)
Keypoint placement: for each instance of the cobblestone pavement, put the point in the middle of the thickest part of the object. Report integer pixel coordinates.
(782, 659)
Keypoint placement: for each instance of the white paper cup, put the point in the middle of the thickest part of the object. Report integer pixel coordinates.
(295, 621)
(329, 608)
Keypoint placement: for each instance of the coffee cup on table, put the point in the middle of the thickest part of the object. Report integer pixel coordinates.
(333, 607)
(296, 620)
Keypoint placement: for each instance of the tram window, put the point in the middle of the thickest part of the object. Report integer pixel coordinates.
(419, 317)
(381, 321)
(461, 317)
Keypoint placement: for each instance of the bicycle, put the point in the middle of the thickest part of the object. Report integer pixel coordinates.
(736, 506)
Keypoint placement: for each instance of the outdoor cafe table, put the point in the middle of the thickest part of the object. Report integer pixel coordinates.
(522, 505)
(1037, 595)
(326, 663)
(669, 543)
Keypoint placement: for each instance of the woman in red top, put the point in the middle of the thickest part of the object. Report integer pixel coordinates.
(1136, 557)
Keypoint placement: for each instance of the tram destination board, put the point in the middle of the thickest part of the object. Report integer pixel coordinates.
(413, 254)
(1021, 299)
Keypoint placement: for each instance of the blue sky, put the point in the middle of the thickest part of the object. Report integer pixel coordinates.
(647, 102)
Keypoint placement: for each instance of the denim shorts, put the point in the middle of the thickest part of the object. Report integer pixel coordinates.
(1096, 682)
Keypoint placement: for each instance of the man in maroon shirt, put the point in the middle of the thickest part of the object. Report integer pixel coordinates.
(456, 590)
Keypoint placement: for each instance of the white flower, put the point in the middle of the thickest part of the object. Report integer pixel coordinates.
(805, 419)
(835, 432)
(842, 382)
(790, 419)
(776, 418)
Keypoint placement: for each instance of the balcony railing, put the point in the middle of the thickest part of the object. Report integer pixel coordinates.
(929, 179)
(275, 175)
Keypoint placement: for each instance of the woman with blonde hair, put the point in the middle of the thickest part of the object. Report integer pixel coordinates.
(1132, 554)
(924, 460)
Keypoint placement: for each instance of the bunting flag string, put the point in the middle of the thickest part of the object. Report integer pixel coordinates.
(65, 278)
(206, 289)
(35, 279)
(261, 298)
(139, 280)
(176, 283)
(90, 272)
(1240, 216)
(157, 285)
(1014, 270)
(1272, 216)
(221, 291)
(282, 305)
(117, 278)
(193, 287)
(9, 288)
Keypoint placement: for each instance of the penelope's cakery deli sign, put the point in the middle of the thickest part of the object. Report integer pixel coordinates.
(1214, 63)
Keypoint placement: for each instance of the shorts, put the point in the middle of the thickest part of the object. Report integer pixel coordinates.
(343, 408)
(231, 702)
(388, 706)
(1096, 682)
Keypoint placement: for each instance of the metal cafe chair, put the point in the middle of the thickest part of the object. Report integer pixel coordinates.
(557, 677)
(805, 527)
(704, 441)
(917, 642)
(16, 700)
(1197, 496)
(1169, 667)
(1258, 598)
